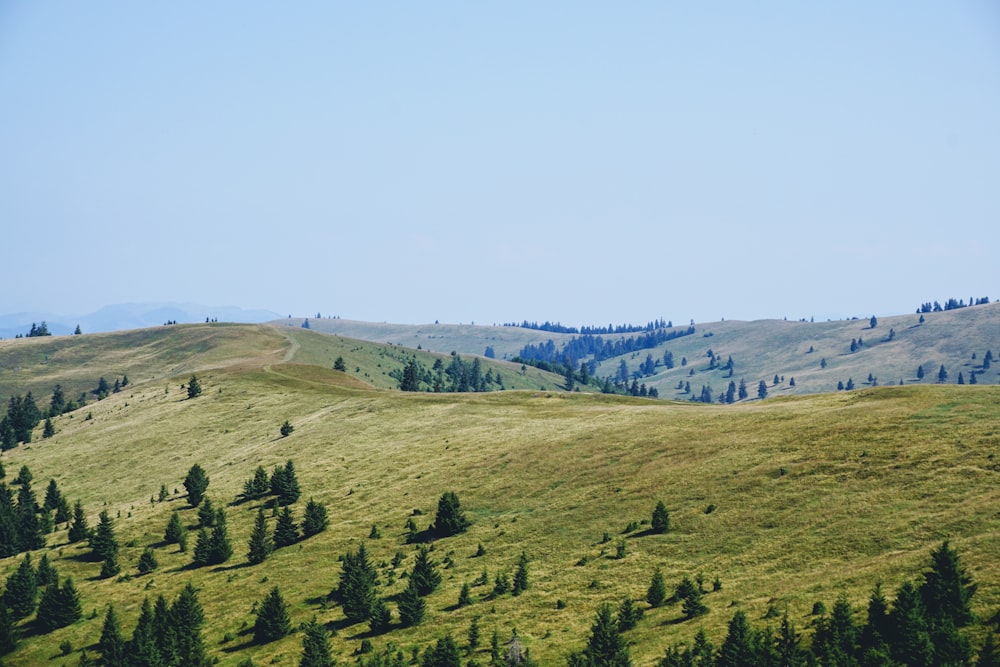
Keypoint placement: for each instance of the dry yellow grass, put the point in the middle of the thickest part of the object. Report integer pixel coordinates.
(872, 481)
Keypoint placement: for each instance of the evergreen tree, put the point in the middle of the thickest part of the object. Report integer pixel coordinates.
(661, 518)
(606, 647)
(521, 582)
(196, 484)
(920, 372)
(315, 646)
(258, 485)
(285, 484)
(286, 532)
(424, 575)
(339, 365)
(273, 621)
(78, 529)
(21, 590)
(58, 607)
(143, 647)
(444, 654)
(112, 645)
(202, 548)
(8, 630)
(762, 389)
(49, 429)
(947, 589)
(103, 543)
(450, 520)
(45, 574)
(187, 618)
(381, 617)
(286, 429)
(206, 513)
(656, 595)
(356, 590)
(411, 606)
(910, 641)
(193, 387)
(260, 545)
(465, 595)
(942, 375)
(175, 529)
(837, 636)
(691, 603)
(876, 632)
(629, 615)
(314, 520)
(147, 561)
(788, 646)
(737, 649)
(220, 548)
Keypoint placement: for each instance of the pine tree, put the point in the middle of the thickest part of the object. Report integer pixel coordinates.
(143, 647)
(112, 645)
(187, 618)
(381, 617)
(450, 520)
(220, 548)
(260, 545)
(286, 429)
(737, 649)
(286, 532)
(206, 513)
(762, 389)
(424, 575)
(788, 645)
(315, 646)
(147, 561)
(661, 518)
(21, 590)
(629, 615)
(49, 429)
(285, 484)
(411, 606)
(103, 544)
(606, 647)
(193, 387)
(175, 529)
(465, 595)
(8, 630)
(910, 641)
(444, 654)
(273, 621)
(45, 574)
(258, 485)
(521, 582)
(202, 548)
(947, 589)
(196, 484)
(59, 606)
(356, 590)
(314, 520)
(78, 529)
(656, 595)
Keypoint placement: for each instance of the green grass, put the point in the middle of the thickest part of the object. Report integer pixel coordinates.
(873, 480)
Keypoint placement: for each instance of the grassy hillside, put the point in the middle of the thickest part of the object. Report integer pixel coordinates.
(177, 351)
(815, 496)
(760, 349)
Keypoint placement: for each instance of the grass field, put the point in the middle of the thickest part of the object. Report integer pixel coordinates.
(814, 496)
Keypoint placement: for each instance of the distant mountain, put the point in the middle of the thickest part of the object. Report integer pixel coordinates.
(129, 316)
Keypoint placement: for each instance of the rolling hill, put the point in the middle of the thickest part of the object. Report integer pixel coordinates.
(786, 501)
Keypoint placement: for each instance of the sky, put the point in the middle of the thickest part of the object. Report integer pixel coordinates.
(488, 162)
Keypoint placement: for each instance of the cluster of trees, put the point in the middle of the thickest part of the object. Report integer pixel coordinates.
(23, 522)
(38, 330)
(458, 376)
(593, 330)
(920, 628)
(951, 304)
(596, 347)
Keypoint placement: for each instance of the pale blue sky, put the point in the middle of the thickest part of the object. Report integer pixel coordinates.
(581, 162)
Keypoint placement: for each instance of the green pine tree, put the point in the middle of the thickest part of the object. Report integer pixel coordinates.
(424, 575)
(606, 647)
(193, 387)
(314, 520)
(315, 646)
(521, 582)
(112, 645)
(273, 621)
(175, 529)
(78, 529)
(450, 520)
(147, 561)
(21, 591)
(196, 483)
(656, 594)
(8, 630)
(411, 606)
(260, 545)
(661, 518)
(186, 619)
(286, 532)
